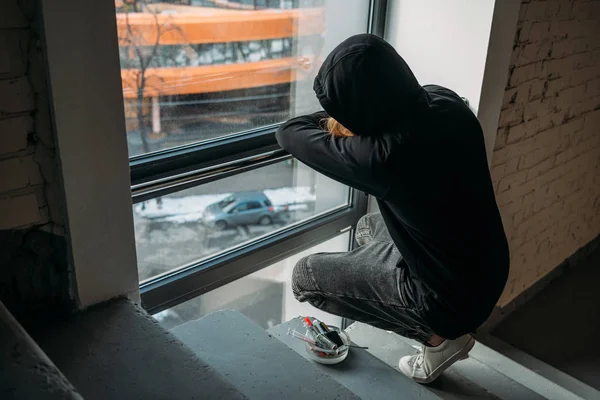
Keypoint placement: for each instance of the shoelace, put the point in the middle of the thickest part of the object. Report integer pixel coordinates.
(418, 360)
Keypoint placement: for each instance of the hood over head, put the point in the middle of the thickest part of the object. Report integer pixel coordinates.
(366, 86)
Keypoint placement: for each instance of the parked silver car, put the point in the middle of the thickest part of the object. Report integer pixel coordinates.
(246, 208)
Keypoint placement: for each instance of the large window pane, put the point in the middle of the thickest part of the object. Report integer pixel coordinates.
(196, 70)
(200, 222)
(265, 296)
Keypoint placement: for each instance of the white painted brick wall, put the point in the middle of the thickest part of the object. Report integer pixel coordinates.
(28, 185)
(546, 162)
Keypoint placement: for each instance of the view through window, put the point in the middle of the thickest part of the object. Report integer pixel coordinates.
(200, 69)
(197, 70)
(197, 223)
(265, 296)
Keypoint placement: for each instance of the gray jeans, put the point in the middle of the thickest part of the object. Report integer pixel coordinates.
(365, 284)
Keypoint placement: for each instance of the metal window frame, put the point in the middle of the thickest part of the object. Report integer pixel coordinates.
(172, 170)
(182, 159)
(184, 180)
(157, 165)
(377, 17)
(197, 279)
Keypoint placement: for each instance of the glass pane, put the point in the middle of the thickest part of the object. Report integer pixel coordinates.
(197, 223)
(199, 69)
(265, 296)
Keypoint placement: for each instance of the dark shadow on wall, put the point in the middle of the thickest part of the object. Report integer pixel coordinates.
(34, 276)
(561, 324)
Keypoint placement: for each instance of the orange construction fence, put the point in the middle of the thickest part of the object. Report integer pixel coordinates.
(210, 78)
(210, 25)
(186, 25)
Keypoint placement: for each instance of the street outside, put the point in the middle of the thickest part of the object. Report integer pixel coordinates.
(163, 246)
(169, 232)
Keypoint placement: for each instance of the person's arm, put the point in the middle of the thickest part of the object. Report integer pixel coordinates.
(355, 161)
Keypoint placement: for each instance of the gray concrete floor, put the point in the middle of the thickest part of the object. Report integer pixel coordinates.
(116, 351)
(257, 364)
(561, 325)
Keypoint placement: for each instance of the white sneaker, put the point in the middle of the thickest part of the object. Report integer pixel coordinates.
(426, 366)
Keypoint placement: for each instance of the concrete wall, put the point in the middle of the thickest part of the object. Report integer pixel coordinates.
(34, 277)
(546, 160)
(444, 41)
(88, 113)
(461, 44)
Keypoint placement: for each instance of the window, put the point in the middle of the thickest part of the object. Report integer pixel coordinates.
(193, 91)
(195, 72)
(265, 296)
(194, 224)
(248, 206)
(205, 85)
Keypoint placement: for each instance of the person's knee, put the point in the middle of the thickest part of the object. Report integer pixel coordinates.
(304, 286)
(363, 222)
(302, 281)
(364, 231)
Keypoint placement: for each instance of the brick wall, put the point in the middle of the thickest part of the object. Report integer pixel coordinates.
(33, 267)
(546, 160)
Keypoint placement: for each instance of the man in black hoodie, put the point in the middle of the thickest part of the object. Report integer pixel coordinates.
(433, 264)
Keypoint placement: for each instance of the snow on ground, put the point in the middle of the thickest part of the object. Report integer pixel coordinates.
(290, 195)
(168, 313)
(180, 210)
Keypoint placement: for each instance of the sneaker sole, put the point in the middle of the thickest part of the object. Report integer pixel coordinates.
(460, 355)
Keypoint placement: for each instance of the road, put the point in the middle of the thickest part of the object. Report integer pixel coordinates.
(162, 245)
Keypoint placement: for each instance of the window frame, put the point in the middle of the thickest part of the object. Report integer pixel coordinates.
(254, 205)
(219, 158)
(97, 175)
(156, 165)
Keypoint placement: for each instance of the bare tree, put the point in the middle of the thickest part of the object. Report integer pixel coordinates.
(142, 47)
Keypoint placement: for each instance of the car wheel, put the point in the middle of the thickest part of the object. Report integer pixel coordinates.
(221, 225)
(265, 220)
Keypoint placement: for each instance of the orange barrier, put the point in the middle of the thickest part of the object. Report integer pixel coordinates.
(209, 25)
(210, 78)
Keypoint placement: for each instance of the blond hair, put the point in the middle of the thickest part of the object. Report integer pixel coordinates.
(335, 128)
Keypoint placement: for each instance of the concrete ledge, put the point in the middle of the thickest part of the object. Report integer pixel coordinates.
(464, 380)
(25, 371)
(535, 374)
(260, 366)
(117, 351)
(361, 372)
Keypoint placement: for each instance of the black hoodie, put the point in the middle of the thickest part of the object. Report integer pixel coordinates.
(420, 151)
